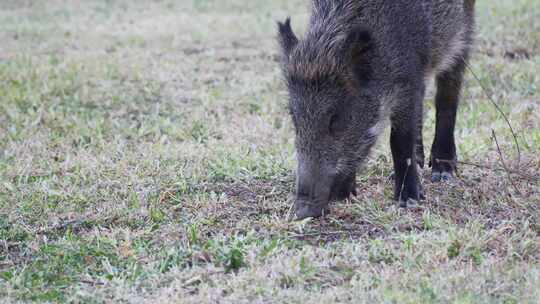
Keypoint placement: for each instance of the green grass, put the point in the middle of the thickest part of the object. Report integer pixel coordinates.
(146, 155)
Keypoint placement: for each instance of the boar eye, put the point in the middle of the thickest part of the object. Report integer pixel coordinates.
(336, 125)
(339, 122)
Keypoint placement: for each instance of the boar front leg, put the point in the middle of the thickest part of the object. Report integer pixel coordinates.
(403, 143)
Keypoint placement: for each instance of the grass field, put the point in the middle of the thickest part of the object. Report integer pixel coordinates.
(146, 155)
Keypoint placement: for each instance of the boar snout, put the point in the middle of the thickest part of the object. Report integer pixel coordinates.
(313, 185)
(317, 185)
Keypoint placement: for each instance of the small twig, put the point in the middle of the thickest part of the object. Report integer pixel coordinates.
(193, 281)
(94, 283)
(348, 232)
(289, 215)
(73, 224)
(503, 162)
(199, 278)
(409, 163)
(321, 233)
(490, 98)
(5, 265)
(520, 174)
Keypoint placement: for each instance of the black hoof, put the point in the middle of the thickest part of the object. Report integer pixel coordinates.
(410, 190)
(403, 204)
(408, 198)
(441, 176)
(446, 176)
(442, 170)
(408, 203)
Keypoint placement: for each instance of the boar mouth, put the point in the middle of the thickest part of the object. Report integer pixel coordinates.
(342, 188)
(305, 209)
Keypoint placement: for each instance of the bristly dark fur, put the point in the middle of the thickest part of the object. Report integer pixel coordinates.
(364, 62)
(321, 50)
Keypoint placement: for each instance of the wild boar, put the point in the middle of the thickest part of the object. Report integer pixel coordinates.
(360, 64)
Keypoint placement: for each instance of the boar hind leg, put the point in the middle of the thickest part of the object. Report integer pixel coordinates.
(403, 143)
(443, 151)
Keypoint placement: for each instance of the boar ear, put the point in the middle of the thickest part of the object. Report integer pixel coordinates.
(358, 41)
(287, 39)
